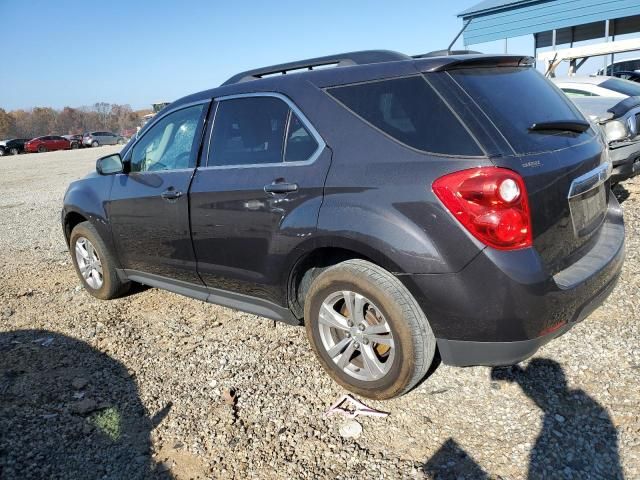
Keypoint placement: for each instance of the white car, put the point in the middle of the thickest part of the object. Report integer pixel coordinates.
(597, 86)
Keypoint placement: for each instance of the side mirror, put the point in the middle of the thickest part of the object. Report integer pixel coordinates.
(110, 164)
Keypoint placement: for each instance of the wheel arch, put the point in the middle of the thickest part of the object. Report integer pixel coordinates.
(322, 254)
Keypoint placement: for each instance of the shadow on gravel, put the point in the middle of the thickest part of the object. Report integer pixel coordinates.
(70, 411)
(577, 440)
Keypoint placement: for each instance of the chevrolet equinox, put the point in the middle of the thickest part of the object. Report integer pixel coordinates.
(399, 207)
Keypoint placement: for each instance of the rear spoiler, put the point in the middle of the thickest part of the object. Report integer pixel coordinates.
(454, 62)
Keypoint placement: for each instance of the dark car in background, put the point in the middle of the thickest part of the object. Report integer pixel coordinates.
(96, 139)
(75, 140)
(13, 146)
(371, 201)
(620, 123)
(48, 143)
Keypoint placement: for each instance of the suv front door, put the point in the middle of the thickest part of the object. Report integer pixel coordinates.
(258, 196)
(149, 205)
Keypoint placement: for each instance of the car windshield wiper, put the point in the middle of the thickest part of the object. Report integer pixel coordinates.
(577, 126)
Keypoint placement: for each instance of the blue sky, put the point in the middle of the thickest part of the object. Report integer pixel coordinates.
(76, 53)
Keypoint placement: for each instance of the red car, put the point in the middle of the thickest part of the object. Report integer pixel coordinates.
(47, 144)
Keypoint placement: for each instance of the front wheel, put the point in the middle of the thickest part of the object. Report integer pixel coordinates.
(42, 149)
(95, 143)
(367, 330)
(94, 264)
(14, 151)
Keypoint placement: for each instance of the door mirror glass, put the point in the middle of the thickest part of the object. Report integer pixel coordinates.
(110, 164)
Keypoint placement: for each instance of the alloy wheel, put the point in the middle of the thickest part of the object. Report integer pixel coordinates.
(356, 335)
(89, 263)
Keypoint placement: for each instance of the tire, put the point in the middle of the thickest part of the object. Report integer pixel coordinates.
(388, 307)
(111, 286)
(42, 149)
(95, 143)
(74, 146)
(14, 151)
(2, 152)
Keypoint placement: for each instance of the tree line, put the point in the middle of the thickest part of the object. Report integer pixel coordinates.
(68, 121)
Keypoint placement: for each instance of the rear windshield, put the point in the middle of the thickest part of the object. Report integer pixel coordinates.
(514, 98)
(619, 85)
(411, 112)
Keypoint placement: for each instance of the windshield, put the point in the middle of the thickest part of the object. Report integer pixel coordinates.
(622, 86)
(515, 98)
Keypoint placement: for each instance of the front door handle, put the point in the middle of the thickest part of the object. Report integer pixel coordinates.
(171, 194)
(281, 188)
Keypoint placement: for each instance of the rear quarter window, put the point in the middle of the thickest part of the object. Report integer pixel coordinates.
(410, 111)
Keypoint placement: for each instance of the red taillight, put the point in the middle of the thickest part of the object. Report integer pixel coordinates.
(491, 203)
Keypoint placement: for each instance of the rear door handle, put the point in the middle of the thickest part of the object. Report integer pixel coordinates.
(281, 188)
(171, 194)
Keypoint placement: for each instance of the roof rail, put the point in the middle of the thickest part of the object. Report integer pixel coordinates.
(445, 53)
(340, 60)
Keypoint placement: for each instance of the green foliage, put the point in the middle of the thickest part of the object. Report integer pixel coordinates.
(109, 422)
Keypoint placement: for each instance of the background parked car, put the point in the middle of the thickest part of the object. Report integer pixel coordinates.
(47, 143)
(597, 86)
(76, 140)
(12, 146)
(628, 64)
(95, 139)
(620, 122)
(627, 75)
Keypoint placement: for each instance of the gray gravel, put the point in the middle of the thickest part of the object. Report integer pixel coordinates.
(139, 387)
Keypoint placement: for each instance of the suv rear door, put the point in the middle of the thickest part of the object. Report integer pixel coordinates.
(258, 196)
(148, 207)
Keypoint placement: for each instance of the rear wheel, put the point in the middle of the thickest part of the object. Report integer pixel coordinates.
(94, 264)
(42, 149)
(74, 146)
(2, 152)
(95, 143)
(367, 330)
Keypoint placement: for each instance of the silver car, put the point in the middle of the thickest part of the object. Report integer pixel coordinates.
(95, 139)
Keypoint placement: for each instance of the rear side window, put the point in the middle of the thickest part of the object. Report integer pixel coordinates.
(411, 112)
(300, 143)
(248, 131)
(514, 98)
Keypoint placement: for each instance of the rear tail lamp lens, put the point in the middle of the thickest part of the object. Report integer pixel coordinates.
(491, 203)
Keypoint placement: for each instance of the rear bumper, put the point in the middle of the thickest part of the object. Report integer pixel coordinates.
(463, 353)
(503, 306)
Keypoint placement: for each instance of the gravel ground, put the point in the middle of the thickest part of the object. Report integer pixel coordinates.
(139, 387)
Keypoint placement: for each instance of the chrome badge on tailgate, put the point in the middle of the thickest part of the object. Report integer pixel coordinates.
(588, 200)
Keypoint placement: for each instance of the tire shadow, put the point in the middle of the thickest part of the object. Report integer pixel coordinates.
(70, 411)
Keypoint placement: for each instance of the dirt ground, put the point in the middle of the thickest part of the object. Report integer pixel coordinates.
(135, 387)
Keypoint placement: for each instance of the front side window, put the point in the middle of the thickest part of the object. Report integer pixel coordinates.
(248, 131)
(169, 144)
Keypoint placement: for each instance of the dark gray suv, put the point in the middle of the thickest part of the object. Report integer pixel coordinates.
(399, 207)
